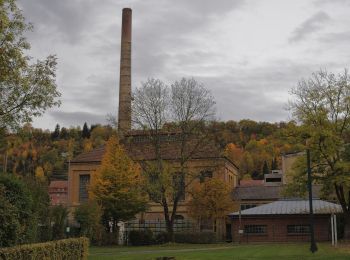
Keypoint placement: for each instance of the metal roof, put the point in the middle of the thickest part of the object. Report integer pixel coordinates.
(291, 207)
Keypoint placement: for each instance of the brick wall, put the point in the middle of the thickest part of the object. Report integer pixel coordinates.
(276, 228)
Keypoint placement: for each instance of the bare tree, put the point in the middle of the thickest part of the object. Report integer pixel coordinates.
(184, 108)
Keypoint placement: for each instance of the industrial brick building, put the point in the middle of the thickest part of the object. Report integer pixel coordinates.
(283, 221)
(208, 159)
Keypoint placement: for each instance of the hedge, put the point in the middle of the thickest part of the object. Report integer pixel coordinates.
(67, 249)
(141, 237)
(204, 237)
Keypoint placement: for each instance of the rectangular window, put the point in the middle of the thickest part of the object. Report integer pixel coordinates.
(179, 185)
(84, 181)
(255, 229)
(298, 229)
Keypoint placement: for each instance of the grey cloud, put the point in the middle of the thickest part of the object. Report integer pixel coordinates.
(336, 38)
(77, 118)
(100, 94)
(69, 19)
(320, 2)
(311, 25)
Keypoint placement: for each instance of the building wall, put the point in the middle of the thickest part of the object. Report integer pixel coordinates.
(220, 168)
(276, 230)
(77, 169)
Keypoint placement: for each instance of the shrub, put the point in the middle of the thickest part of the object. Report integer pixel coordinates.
(141, 237)
(16, 211)
(206, 237)
(68, 249)
(162, 237)
(88, 215)
(59, 215)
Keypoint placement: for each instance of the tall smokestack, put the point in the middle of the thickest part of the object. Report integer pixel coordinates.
(124, 113)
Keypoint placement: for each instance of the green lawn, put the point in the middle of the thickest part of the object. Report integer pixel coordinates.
(222, 252)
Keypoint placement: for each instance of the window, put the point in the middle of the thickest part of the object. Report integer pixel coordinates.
(179, 185)
(84, 180)
(255, 229)
(205, 174)
(273, 180)
(298, 229)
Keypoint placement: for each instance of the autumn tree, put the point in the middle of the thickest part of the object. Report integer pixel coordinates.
(116, 186)
(27, 88)
(210, 201)
(183, 109)
(322, 105)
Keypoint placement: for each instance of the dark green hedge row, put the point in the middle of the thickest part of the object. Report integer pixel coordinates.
(146, 237)
(67, 249)
(204, 237)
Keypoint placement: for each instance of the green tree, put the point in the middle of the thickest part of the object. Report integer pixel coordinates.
(86, 132)
(322, 104)
(116, 186)
(56, 133)
(10, 228)
(59, 216)
(27, 89)
(17, 205)
(89, 216)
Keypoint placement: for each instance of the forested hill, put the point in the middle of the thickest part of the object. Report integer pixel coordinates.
(254, 146)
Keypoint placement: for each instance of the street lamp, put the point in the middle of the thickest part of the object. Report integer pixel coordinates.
(313, 246)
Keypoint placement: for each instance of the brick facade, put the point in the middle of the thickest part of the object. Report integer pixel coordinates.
(276, 228)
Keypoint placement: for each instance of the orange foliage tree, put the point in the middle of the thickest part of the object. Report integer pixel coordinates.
(211, 201)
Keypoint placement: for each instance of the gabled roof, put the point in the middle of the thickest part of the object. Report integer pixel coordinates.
(291, 207)
(140, 148)
(95, 155)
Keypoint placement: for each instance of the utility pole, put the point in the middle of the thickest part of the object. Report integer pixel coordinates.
(313, 246)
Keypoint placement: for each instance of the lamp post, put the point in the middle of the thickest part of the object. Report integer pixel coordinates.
(313, 246)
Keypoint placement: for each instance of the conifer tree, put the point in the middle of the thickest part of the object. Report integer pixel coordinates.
(56, 134)
(85, 133)
(265, 168)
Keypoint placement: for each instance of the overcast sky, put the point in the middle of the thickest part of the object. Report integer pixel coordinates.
(249, 53)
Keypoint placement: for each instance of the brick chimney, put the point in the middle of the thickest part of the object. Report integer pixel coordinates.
(124, 113)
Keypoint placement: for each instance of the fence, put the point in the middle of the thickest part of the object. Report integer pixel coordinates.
(159, 226)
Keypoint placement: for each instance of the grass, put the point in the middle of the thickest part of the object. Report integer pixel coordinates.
(222, 252)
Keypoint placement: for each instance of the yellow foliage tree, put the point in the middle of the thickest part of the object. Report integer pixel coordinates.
(116, 186)
(39, 174)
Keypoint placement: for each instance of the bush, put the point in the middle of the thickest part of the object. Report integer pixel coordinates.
(88, 215)
(15, 210)
(195, 237)
(68, 249)
(162, 238)
(141, 237)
